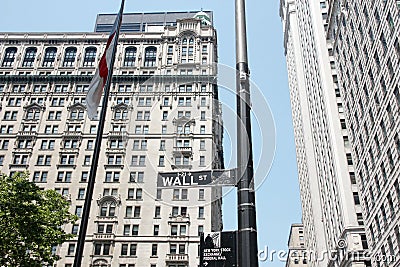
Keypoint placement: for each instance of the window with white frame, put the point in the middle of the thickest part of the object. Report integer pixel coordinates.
(130, 56)
(69, 57)
(49, 57)
(150, 56)
(187, 49)
(90, 57)
(9, 57)
(30, 55)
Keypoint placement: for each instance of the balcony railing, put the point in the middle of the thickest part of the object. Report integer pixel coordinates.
(177, 257)
(179, 218)
(19, 165)
(27, 133)
(97, 236)
(183, 150)
(72, 133)
(116, 150)
(181, 167)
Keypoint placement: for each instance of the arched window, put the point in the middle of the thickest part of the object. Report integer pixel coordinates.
(32, 114)
(130, 56)
(29, 58)
(69, 58)
(90, 57)
(120, 114)
(150, 56)
(49, 57)
(76, 114)
(187, 50)
(9, 57)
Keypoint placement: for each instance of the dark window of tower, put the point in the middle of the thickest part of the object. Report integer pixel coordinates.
(69, 58)
(49, 57)
(130, 56)
(29, 58)
(9, 57)
(90, 57)
(150, 56)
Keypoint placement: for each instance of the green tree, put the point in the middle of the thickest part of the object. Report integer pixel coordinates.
(31, 222)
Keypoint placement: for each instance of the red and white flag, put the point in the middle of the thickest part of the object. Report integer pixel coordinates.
(100, 77)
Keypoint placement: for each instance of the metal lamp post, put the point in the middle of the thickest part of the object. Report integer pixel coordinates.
(247, 229)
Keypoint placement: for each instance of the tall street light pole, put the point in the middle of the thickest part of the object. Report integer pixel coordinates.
(247, 227)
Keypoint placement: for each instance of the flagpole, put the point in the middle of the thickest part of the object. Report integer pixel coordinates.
(247, 225)
(96, 152)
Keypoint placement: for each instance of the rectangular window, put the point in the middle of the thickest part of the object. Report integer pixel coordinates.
(132, 252)
(71, 249)
(156, 230)
(201, 194)
(201, 212)
(135, 229)
(136, 213)
(81, 193)
(78, 211)
(124, 249)
(131, 193)
(184, 194)
(159, 194)
(4, 144)
(154, 250)
(128, 211)
(172, 249)
(202, 161)
(161, 161)
(349, 159)
(182, 230)
(182, 249)
(75, 229)
(87, 161)
(174, 230)
(139, 194)
(157, 212)
(106, 249)
(127, 229)
(84, 177)
(200, 229)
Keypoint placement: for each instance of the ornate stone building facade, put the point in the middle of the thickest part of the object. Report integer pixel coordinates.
(163, 115)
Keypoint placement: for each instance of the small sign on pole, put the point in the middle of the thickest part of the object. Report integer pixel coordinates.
(218, 249)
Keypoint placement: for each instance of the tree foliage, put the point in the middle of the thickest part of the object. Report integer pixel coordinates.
(31, 222)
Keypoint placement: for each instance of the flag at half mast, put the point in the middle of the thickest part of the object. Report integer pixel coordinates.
(104, 70)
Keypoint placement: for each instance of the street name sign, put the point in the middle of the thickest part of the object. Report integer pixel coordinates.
(196, 178)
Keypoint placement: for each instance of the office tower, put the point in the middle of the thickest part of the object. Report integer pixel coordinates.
(297, 254)
(163, 115)
(332, 214)
(364, 36)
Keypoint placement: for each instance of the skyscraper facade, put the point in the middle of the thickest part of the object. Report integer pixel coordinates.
(332, 214)
(364, 36)
(163, 115)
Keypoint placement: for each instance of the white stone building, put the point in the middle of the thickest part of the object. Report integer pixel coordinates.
(163, 115)
(365, 41)
(332, 214)
(297, 254)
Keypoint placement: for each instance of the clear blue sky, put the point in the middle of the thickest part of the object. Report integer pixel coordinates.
(278, 203)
